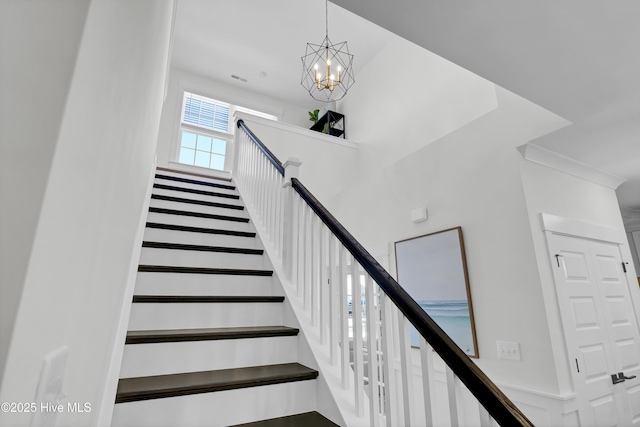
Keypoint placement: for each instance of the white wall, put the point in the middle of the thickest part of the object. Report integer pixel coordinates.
(180, 81)
(327, 162)
(80, 261)
(455, 154)
(412, 98)
(35, 73)
(557, 193)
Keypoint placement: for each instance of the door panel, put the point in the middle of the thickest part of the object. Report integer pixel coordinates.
(600, 329)
(605, 411)
(622, 324)
(633, 396)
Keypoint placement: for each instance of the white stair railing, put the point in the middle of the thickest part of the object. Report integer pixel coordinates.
(360, 314)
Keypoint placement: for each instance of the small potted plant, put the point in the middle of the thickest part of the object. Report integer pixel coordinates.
(313, 116)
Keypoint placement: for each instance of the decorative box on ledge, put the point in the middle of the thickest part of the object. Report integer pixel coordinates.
(331, 123)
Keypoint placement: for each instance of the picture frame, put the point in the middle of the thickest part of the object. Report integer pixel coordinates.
(432, 268)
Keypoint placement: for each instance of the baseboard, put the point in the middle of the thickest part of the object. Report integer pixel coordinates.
(113, 370)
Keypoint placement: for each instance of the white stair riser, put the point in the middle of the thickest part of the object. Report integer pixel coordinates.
(200, 178)
(220, 408)
(198, 187)
(184, 258)
(192, 196)
(177, 357)
(201, 284)
(182, 206)
(147, 316)
(191, 238)
(192, 221)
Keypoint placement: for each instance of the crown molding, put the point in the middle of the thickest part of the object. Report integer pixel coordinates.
(543, 156)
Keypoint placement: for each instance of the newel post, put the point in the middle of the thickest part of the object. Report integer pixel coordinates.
(291, 169)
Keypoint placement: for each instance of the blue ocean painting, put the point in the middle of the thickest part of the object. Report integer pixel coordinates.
(453, 317)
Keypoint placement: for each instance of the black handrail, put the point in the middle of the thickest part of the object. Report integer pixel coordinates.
(272, 158)
(488, 394)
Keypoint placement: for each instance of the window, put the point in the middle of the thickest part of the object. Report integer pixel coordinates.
(202, 150)
(206, 127)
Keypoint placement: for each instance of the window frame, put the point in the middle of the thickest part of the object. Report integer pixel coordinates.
(198, 132)
(228, 136)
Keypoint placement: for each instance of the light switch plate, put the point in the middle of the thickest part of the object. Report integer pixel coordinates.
(509, 350)
(49, 390)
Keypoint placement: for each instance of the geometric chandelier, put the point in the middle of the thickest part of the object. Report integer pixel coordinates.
(327, 69)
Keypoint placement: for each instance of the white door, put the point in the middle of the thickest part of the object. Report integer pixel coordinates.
(600, 329)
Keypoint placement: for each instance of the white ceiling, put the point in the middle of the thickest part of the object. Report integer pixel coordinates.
(220, 38)
(577, 58)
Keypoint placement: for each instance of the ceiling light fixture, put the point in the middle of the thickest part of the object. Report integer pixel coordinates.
(334, 61)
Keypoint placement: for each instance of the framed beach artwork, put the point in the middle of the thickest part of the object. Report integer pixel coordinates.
(433, 270)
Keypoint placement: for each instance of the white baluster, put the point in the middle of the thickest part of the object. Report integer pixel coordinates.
(250, 174)
(304, 254)
(406, 367)
(247, 173)
(259, 183)
(485, 418)
(299, 254)
(344, 318)
(253, 174)
(372, 347)
(334, 297)
(280, 196)
(273, 182)
(310, 288)
(426, 362)
(388, 360)
(313, 276)
(261, 193)
(268, 169)
(274, 208)
(358, 362)
(267, 200)
(451, 393)
(323, 285)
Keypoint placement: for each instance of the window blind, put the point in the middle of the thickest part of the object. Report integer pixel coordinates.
(204, 113)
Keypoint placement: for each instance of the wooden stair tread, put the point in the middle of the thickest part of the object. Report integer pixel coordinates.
(195, 181)
(197, 214)
(202, 270)
(159, 386)
(206, 298)
(194, 191)
(196, 202)
(308, 419)
(199, 229)
(201, 248)
(201, 175)
(208, 334)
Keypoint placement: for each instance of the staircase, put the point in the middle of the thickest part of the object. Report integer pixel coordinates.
(206, 343)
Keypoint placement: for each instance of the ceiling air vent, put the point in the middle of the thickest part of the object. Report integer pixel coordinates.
(233, 76)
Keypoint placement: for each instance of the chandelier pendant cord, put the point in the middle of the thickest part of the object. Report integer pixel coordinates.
(326, 14)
